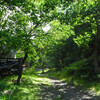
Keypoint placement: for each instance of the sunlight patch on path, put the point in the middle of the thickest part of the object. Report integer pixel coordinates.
(60, 90)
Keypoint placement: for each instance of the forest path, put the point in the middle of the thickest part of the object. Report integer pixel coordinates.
(60, 90)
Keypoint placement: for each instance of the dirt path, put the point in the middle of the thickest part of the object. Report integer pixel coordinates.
(62, 91)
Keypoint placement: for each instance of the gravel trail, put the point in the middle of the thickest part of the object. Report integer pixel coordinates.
(60, 90)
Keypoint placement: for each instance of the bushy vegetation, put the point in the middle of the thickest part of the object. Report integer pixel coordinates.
(81, 74)
(70, 44)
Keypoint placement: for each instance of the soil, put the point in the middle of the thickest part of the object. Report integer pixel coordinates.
(60, 90)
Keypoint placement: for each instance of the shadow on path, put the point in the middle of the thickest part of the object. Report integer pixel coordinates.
(63, 91)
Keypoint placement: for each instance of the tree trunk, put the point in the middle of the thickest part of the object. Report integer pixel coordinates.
(25, 57)
(22, 61)
(20, 72)
(96, 46)
(96, 65)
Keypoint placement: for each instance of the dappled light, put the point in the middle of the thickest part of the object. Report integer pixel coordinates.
(39, 87)
(29, 88)
(64, 91)
(49, 49)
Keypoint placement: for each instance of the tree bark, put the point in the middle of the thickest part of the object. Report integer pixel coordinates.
(25, 57)
(22, 61)
(20, 72)
(96, 46)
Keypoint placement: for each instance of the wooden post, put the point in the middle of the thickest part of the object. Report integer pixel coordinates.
(1, 72)
(20, 71)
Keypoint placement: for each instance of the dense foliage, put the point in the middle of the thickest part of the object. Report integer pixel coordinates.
(73, 33)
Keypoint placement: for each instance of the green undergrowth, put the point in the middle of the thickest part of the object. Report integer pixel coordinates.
(80, 74)
(29, 88)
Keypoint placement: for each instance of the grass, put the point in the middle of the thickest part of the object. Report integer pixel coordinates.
(32, 83)
(29, 89)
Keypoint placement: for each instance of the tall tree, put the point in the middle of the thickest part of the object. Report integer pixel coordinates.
(84, 16)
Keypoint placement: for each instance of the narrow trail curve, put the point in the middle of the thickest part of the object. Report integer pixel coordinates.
(60, 90)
